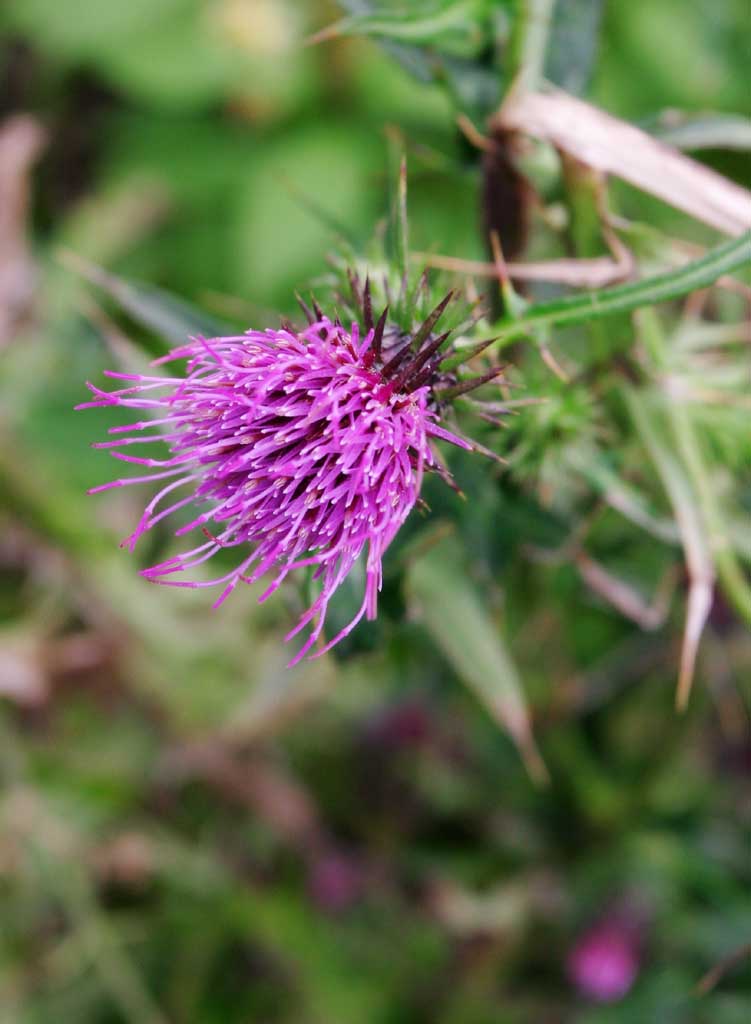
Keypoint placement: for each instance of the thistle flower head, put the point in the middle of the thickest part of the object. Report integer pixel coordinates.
(604, 963)
(298, 448)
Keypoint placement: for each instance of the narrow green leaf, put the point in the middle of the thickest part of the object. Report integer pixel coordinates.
(692, 528)
(621, 495)
(316, 210)
(402, 219)
(171, 317)
(453, 613)
(577, 309)
(704, 131)
(574, 42)
(689, 446)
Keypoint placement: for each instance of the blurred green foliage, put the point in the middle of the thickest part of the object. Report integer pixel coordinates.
(190, 833)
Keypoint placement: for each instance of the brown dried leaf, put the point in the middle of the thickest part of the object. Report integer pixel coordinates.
(612, 146)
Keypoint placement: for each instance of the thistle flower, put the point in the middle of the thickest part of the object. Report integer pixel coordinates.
(604, 963)
(299, 448)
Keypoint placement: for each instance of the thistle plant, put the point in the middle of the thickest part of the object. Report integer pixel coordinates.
(513, 429)
(302, 449)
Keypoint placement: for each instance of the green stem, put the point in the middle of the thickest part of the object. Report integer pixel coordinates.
(530, 41)
(578, 309)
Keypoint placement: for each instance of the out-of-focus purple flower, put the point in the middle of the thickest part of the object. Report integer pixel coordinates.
(300, 448)
(604, 963)
(402, 725)
(335, 882)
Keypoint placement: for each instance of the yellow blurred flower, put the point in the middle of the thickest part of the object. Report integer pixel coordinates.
(260, 27)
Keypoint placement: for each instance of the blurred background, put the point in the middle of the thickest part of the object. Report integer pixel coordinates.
(190, 833)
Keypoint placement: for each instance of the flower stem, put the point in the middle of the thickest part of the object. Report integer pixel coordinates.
(529, 42)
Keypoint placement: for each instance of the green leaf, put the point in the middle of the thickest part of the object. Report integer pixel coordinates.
(573, 44)
(171, 317)
(704, 131)
(453, 612)
(433, 22)
(692, 527)
(463, 61)
(578, 309)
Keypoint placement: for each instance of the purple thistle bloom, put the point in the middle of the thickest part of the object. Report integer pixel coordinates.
(299, 448)
(604, 963)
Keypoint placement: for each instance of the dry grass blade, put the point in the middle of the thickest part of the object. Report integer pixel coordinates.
(21, 141)
(256, 784)
(552, 364)
(728, 963)
(694, 538)
(622, 596)
(612, 146)
(585, 273)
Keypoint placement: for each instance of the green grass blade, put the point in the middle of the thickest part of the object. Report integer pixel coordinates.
(454, 614)
(169, 316)
(578, 309)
